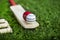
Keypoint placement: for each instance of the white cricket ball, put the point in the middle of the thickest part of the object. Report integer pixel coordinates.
(30, 18)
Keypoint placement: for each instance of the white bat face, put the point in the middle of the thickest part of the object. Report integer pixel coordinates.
(30, 22)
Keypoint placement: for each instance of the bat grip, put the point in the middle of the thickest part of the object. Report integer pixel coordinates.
(12, 2)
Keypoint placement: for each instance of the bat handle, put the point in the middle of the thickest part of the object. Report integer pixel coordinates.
(12, 2)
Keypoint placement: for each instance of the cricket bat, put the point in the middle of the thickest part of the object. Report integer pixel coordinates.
(18, 11)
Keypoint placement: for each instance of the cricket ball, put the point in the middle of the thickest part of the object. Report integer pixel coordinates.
(29, 17)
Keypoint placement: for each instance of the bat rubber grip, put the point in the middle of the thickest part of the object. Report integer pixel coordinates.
(12, 2)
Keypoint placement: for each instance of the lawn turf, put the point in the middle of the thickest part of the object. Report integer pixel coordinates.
(48, 16)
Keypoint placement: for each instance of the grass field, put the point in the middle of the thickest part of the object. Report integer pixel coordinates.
(48, 16)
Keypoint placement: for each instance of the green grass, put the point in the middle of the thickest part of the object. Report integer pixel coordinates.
(48, 16)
